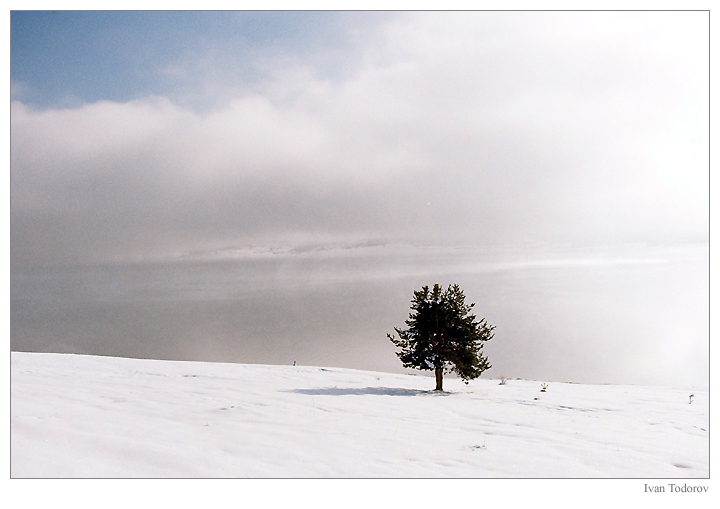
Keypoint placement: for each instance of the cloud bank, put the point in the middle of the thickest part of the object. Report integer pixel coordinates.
(480, 129)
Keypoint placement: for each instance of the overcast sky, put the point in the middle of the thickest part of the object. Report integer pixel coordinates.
(141, 134)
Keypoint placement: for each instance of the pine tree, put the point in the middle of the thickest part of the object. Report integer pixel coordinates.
(443, 335)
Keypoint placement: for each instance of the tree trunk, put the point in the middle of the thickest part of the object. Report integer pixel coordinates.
(438, 379)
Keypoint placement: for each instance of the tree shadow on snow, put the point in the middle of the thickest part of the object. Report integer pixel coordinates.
(364, 391)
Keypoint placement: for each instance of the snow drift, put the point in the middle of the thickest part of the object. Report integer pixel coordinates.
(87, 416)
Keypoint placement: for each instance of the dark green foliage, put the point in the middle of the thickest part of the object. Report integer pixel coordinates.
(443, 335)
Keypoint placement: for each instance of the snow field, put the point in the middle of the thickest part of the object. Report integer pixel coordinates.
(87, 416)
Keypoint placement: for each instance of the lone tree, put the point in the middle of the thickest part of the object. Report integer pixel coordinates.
(443, 335)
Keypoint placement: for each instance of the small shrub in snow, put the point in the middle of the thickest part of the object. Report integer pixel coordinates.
(544, 388)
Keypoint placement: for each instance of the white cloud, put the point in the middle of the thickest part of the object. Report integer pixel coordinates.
(554, 127)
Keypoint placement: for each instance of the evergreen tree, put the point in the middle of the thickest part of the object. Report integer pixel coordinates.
(443, 335)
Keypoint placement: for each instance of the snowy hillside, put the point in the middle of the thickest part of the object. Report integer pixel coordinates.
(86, 416)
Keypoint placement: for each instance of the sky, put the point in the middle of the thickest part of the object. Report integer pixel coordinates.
(152, 137)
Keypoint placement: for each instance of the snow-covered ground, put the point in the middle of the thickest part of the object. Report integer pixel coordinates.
(88, 416)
